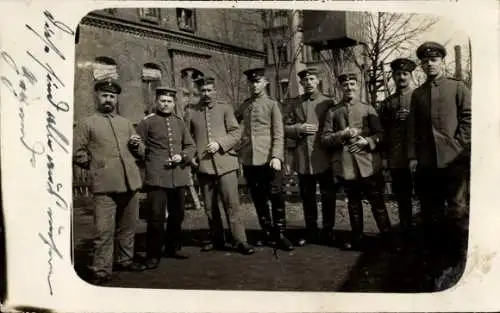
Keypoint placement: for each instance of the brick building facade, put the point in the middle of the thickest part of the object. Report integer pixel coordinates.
(144, 48)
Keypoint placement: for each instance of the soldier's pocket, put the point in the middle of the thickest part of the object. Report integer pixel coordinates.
(450, 147)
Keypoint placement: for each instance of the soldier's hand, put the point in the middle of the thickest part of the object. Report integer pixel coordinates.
(385, 163)
(308, 129)
(134, 140)
(402, 114)
(212, 147)
(413, 166)
(275, 164)
(195, 163)
(176, 158)
(359, 145)
(354, 132)
(347, 133)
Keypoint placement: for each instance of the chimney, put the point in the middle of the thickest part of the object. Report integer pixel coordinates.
(458, 63)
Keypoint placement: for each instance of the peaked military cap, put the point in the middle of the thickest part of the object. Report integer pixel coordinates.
(204, 81)
(403, 64)
(255, 73)
(308, 71)
(431, 49)
(108, 86)
(165, 91)
(347, 76)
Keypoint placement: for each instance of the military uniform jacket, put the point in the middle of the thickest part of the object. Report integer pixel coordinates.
(101, 145)
(165, 136)
(311, 157)
(441, 121)
(358, 115)
(214, 122)
(396, 139)
(262, 131)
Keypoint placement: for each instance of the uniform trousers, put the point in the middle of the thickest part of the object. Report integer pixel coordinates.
(266, 184)
(224, 187)
(157, 236)
(372, 188)
(115, 219)
(443, 195)
(328, 192)
(402, 186)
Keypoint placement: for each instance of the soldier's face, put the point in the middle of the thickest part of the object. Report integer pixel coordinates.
(310, 83)
(257, 87)
(432, 66)
(207, 92)
(349, 89)
(401, 78)
(107, 101)
(165, 104)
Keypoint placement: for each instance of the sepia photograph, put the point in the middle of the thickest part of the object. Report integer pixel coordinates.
(271, 150)
(249, 156)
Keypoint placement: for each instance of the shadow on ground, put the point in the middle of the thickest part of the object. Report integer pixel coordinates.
(375, 268)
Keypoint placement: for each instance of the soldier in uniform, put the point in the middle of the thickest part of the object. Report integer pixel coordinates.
(394, 118)
(169, 150)
(261, 152)
(103, 145)
(304, 122)
(354, 133)
(216, 132)
(440, 116)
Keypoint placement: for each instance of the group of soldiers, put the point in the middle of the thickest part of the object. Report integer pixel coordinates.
(423, 135)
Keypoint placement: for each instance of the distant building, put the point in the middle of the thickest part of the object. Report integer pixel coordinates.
(288, 49)
(145, 48)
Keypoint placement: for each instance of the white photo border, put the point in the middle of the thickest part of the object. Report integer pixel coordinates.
(30, 200)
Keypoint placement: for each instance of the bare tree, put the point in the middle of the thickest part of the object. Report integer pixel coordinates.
(343, 59)
(389, 35)
(228, 67)
(278, 35)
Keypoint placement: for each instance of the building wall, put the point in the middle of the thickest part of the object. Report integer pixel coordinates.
(134, 43)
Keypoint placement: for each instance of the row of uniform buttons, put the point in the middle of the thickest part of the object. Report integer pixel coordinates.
(169, 132)
(209, 132)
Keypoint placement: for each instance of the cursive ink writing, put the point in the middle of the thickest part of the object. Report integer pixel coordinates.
(48, 32)
(61, 105)
(55, 134)
(60, 25)
(52, 248)
(23, 74)
(60, 201)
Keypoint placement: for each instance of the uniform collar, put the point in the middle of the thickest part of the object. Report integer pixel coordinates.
(351, 102)
(436, 81)
(111, 114)
(311, 95)
(404, 91)
(207, 105)
(259, 96)
(163, 114)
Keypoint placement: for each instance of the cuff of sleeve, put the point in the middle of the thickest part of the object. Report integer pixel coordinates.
(222, 147)
(277, 157)
(185, 158)
(371, 143)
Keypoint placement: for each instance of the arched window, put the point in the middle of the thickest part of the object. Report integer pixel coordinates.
(188, 92)
(151, 79)
(105, 68)
(188, 76)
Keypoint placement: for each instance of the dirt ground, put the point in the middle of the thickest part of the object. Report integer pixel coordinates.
(309, 268)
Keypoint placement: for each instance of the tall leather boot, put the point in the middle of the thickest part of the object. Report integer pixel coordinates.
(282, 242)
(266, 225)
(355, 208)
(381, 216)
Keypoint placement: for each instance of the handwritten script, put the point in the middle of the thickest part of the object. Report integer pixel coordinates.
(30, 91)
